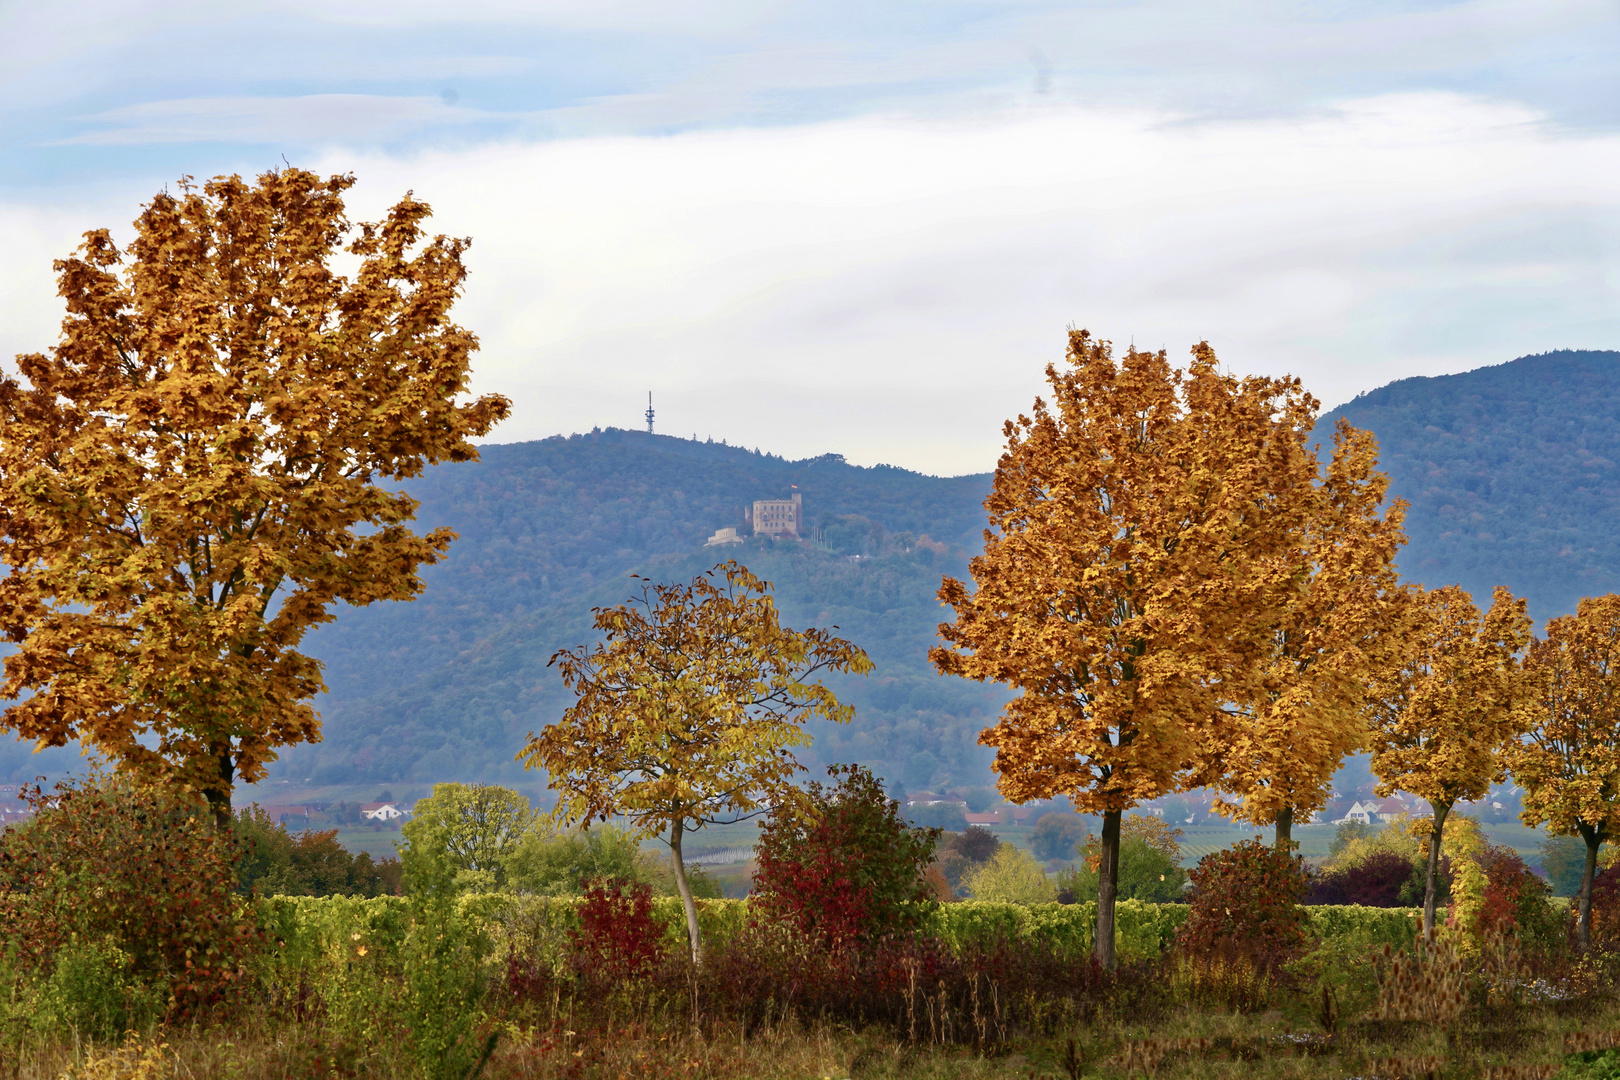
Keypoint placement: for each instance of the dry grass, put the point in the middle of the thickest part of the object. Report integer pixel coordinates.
(1187, 1043)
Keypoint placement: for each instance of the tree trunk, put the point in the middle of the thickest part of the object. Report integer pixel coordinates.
(1583, 925)
(219, 795)
(1284, 841)
(1107, 889)
(693, 934)
(1432, 878)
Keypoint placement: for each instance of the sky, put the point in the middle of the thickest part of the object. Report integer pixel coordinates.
(865, 228)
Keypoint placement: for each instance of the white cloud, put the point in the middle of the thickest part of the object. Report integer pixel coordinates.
(890, 288)
(313, 119)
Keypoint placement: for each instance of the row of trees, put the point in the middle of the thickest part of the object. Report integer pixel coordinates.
(1183, 595)
(1179, 591)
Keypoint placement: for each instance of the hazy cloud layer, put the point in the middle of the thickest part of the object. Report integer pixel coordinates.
(863, 228)
(891, 287)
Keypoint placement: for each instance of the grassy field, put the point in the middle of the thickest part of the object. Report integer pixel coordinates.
(378, 845)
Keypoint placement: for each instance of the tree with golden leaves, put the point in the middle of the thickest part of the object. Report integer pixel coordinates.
(1569, 762)
(189, 478)
(689, 712)
(1329, 636)
(1130, 578)
(1447, 716)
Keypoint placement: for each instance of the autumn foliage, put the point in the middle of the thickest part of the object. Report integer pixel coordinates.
(1569, 763)
(190, 476)
(689, 711)
(617, 938)
(1149, 529)
(841, 866)
(1447, 715)
(138, 869)
(1246, 903)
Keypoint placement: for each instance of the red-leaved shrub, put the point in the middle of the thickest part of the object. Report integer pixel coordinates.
(1375, 881)
(1515, 895)
(843, 867)
(149, 872)
(618, 937)
(1245, 903)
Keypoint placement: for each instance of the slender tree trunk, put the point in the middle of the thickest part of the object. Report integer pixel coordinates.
(1432, 878)
(1285, 830)
(1583, 925)
(693, 934)
(1107, 889)
(219, 795)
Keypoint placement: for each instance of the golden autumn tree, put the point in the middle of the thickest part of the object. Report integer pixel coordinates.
(1133, 568)
(688, 712)
(1569, 761)
(1446, 717)
(189, 478)
(1329, 636)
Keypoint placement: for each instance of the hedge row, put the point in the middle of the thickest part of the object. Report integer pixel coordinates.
(311, 927)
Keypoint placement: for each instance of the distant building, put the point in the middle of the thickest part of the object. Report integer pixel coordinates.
(778, 517)
(1359, 811)
(722, 537)
(381, 811)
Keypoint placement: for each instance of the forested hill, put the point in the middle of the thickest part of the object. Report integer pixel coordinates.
(1512, 472)
(448, 684)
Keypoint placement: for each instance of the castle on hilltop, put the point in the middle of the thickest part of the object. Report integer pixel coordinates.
(777, 518)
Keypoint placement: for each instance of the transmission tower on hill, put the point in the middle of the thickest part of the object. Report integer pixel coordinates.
(649, 412)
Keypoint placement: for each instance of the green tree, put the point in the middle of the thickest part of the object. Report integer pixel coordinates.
(1056, 835)
(191, 475)
(1563, 861)
(1145, 873)
(1010, 876)
(689, 712)
(547, 863)
(461, 836)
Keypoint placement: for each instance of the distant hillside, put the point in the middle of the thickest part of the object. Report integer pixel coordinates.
(450, 683)
(1513, 473)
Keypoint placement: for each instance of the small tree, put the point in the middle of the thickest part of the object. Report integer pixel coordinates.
(1132, 578)
(689, 712)
(841, 865)
(462, 836)
(1010, 876)
(190, 477)
(1056, 835)
(1448, 715)
(1569, 764)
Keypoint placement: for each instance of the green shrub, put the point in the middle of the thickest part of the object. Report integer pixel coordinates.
(555, 864)
(1145, 873)
(1142, 930)
(1010, 876)
(1372, 926)
(92, 994)
(141, 871)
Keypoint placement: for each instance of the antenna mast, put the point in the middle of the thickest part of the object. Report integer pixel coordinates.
(649, 412)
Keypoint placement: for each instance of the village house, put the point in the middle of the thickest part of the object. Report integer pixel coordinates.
(381, 811)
